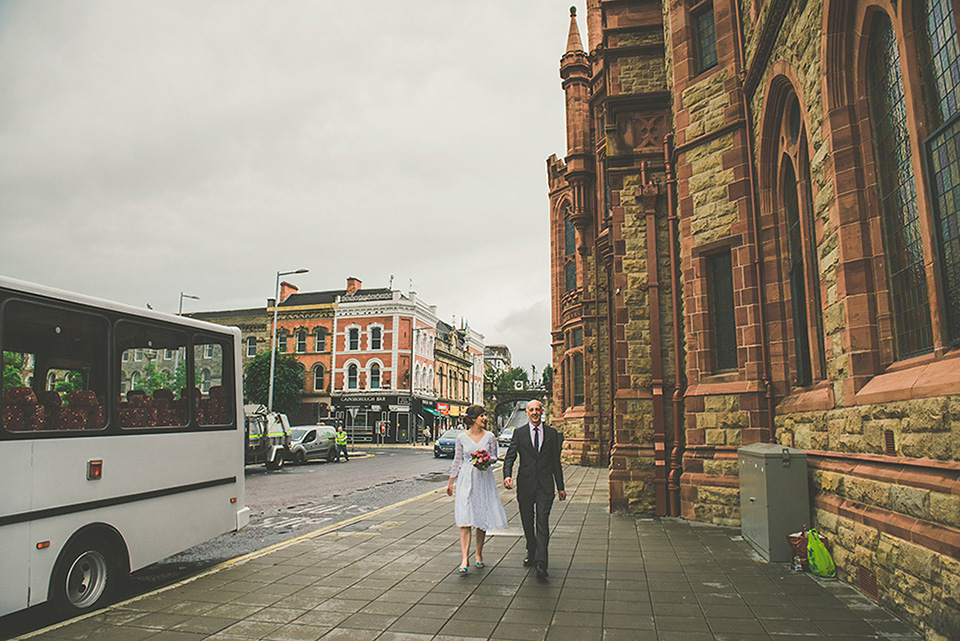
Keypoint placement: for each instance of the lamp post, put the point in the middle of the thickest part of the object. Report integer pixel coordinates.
(273, 344)
(182, 296)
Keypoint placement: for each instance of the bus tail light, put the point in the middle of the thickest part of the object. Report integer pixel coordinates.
(43, 545)
(233, 499)
(94, 470)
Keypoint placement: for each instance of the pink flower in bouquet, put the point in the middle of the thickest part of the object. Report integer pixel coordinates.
(481, 459)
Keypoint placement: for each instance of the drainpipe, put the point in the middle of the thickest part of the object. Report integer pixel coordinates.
(755, 226)
(649, 200)
(611, 329)
(676, 453)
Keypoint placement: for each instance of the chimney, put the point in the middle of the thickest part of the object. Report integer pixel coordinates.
(353, 284)
(287, 290)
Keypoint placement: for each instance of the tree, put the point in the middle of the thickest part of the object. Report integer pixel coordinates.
(547, 378)
(153, 379)
(508, 378)
(180, 377)
(12, 369)
(491, 377)
(74, 381)
(287, 385)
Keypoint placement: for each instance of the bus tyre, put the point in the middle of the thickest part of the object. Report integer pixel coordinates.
(87, 576)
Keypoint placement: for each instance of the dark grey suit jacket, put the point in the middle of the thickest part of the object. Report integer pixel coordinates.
(539, 472)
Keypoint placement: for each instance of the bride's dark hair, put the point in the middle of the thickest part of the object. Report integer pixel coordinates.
(472, 414)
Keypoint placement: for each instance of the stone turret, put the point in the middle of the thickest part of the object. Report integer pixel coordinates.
(575, 72)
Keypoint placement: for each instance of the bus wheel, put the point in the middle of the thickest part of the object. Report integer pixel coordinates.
(86, 577)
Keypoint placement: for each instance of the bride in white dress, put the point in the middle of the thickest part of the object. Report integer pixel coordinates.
(477, 504)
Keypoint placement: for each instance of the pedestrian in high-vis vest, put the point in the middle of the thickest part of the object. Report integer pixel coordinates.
(342, 444)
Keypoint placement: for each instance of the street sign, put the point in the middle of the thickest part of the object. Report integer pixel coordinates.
(353, 412)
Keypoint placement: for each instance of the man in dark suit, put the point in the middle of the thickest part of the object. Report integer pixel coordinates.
(538, 476)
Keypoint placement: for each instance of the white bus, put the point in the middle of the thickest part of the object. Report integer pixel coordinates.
(121, 442)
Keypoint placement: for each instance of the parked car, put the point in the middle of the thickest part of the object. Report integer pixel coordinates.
(268, 437)
(312, 441)
(506, 435)
(446, 444)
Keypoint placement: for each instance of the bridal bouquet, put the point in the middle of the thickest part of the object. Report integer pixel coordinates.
(481, 459)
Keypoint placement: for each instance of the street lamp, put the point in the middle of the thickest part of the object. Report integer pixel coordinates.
(273, 344)
(182, 296)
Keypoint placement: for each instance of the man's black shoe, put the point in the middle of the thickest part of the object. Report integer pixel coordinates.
(527, 562)
(542, 574)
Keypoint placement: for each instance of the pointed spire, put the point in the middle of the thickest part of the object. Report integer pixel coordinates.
(573, 38)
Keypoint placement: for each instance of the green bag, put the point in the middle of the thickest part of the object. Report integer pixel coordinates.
(818, 557)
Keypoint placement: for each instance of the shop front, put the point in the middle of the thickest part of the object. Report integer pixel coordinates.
(429, 418)
(376, 418)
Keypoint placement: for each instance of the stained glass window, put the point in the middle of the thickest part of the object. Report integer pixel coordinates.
(798, 289)
(706, 36)
(897, 192)
(723, 326)
(569, 251)
(940, 60)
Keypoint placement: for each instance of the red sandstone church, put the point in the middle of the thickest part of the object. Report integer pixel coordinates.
(755, 237)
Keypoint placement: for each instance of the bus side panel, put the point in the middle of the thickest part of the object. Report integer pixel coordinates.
(152, 528)
(15, 541)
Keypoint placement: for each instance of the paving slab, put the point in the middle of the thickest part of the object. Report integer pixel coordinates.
(391, 576)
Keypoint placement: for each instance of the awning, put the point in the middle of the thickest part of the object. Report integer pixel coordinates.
(430, 410)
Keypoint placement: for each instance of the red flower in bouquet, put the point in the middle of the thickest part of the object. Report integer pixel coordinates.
(481, 459)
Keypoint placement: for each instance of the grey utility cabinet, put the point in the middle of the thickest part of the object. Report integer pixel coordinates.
(774, 499)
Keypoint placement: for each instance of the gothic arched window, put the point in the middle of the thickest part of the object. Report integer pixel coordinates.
(569, 255)
(897, 192)
(937, 39)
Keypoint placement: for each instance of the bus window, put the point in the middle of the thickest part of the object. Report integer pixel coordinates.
(63, 352)
(152, 389)
(216, 392)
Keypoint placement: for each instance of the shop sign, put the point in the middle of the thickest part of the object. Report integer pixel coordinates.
(399, 408)
(443, 408)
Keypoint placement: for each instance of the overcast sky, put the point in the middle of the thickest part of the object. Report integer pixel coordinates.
(154, 147)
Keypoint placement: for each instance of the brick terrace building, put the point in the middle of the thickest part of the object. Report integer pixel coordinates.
(361, 350)
(459, 376)
(383, 363)
(754, 237)
(304, 329)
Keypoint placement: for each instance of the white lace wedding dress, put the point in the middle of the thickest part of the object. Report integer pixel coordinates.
(477, 502)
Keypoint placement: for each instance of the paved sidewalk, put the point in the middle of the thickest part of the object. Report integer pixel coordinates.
(390, 576)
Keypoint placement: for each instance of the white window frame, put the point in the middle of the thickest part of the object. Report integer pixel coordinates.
(370, 337)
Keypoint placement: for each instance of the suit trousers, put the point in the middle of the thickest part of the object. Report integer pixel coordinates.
(535, 516)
